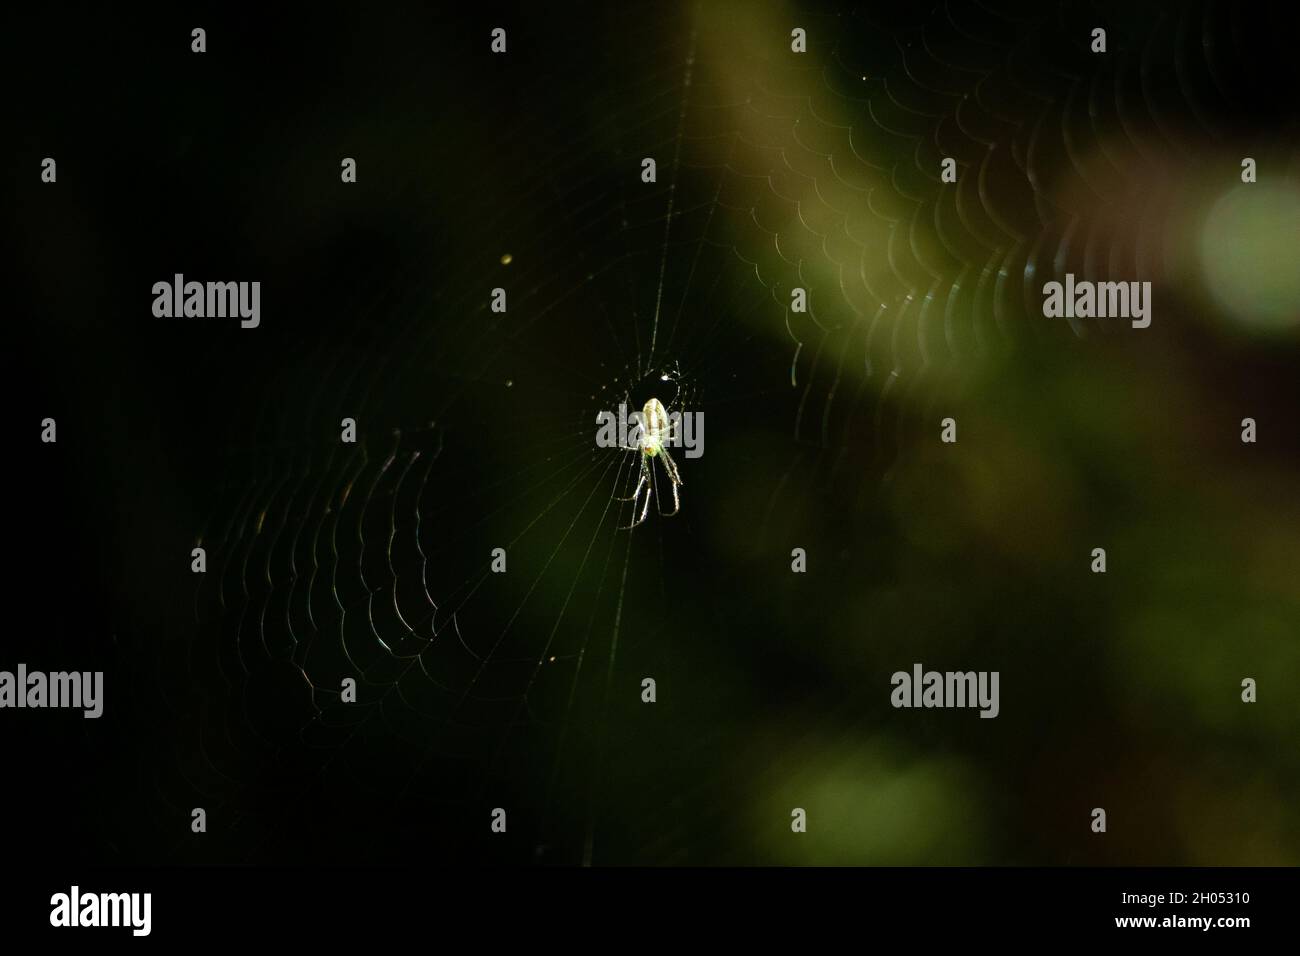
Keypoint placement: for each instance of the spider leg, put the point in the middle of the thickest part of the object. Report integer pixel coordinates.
(645, 508)
(673, 482)
(640, 481)
(670, 466)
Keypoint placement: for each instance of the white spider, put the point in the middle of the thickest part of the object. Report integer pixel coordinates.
(655, 432)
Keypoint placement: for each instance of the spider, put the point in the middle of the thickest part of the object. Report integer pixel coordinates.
(654, 433)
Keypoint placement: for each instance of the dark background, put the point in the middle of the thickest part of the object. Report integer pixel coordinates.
(328, 561)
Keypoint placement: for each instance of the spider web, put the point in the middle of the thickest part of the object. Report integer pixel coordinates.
(373, 562)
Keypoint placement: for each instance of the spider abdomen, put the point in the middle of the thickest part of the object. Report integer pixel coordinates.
(654, 427)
